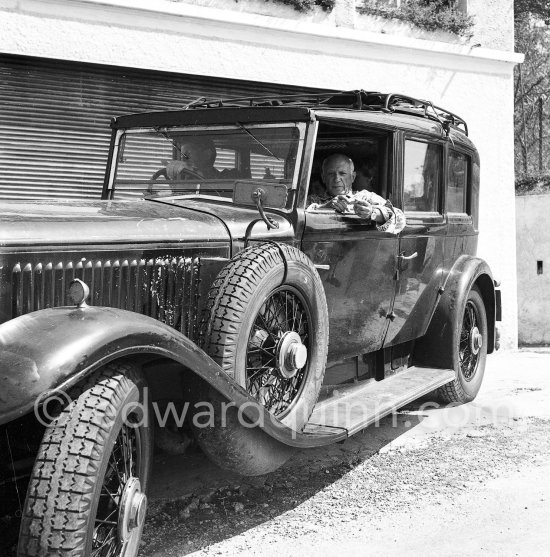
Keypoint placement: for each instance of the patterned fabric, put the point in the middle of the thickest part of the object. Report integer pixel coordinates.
(318, 202)
(394, 218)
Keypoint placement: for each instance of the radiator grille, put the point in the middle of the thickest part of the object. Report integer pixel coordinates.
(166, 289)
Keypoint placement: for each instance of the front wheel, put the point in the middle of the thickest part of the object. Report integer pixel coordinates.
(86, 496)
(470, 352)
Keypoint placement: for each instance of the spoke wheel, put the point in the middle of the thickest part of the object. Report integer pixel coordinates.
(87, 496)
(471, 342)
(471, 352)
(122, 504)
(266, 325)
(279, 342)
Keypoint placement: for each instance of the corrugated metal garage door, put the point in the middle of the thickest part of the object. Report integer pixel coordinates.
(54, 119)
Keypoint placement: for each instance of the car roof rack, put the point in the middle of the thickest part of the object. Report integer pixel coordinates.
(355, 100)
(397, 102)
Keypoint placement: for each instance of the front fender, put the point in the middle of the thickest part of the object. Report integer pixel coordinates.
(55, 348)
(39, 351)
(435, 349)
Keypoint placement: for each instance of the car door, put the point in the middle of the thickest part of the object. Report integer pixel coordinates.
(356, 262)
(420, 265)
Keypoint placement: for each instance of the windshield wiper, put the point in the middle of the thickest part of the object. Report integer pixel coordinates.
(173, 143)
(258, 141)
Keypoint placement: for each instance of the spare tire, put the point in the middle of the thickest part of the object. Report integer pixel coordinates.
(266, 325)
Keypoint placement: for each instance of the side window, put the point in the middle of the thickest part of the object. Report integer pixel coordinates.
(457, 182)
(366, 147)
(422, 175)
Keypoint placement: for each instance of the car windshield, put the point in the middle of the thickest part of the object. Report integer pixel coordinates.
(205, 162)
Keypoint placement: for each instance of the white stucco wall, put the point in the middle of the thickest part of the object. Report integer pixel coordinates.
(473, 82)
(533, 242)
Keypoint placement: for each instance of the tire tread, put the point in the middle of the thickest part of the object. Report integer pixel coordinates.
(231, 292)
(58, 498)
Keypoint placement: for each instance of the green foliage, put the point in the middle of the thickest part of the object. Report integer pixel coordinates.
(305, 5)
(431, 15)
(533, 184)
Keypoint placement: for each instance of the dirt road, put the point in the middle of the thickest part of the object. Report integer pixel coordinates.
(468, 480)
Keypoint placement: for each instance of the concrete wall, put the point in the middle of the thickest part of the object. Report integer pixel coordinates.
(475, 82)
(533, 241)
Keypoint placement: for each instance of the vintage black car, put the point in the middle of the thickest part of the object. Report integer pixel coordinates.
(210, 292)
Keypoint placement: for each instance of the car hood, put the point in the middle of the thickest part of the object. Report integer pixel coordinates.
(35, 223)
(237, 219)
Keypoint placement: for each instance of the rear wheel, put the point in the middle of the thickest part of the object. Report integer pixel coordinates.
(470, 352)
(86, 495)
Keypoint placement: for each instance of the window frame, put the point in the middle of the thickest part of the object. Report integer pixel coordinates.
(466, 213)
(119, 141)
(428, 217)
(386, 135)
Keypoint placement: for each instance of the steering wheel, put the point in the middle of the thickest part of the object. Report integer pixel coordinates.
(186, 173)
(176, 171)
(171, 177)
(159, 174)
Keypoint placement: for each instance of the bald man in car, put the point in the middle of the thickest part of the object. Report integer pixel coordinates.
(198, 156)
(338, 175)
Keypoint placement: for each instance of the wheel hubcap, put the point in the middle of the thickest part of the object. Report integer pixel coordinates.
(476, 340)
(291, 354)
(278, 350)
(133, 506)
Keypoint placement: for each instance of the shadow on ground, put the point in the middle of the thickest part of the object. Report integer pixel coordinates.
(195, 504)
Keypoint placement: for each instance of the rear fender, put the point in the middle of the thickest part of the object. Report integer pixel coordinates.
(435, 348)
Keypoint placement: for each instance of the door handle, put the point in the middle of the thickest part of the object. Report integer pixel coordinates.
(401, 265)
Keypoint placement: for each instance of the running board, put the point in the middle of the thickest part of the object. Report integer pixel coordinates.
(356, 406)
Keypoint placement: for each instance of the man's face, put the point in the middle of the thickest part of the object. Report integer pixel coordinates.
(193, 157)
(338, 176)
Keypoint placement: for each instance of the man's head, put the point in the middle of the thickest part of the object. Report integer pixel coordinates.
(338, 174)
(198, 154)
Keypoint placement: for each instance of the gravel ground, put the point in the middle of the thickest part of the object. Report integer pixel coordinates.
(314, 496)
(466, 481)
(459, 470)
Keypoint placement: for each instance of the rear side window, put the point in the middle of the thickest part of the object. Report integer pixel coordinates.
(422, 175)
(457, 182)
